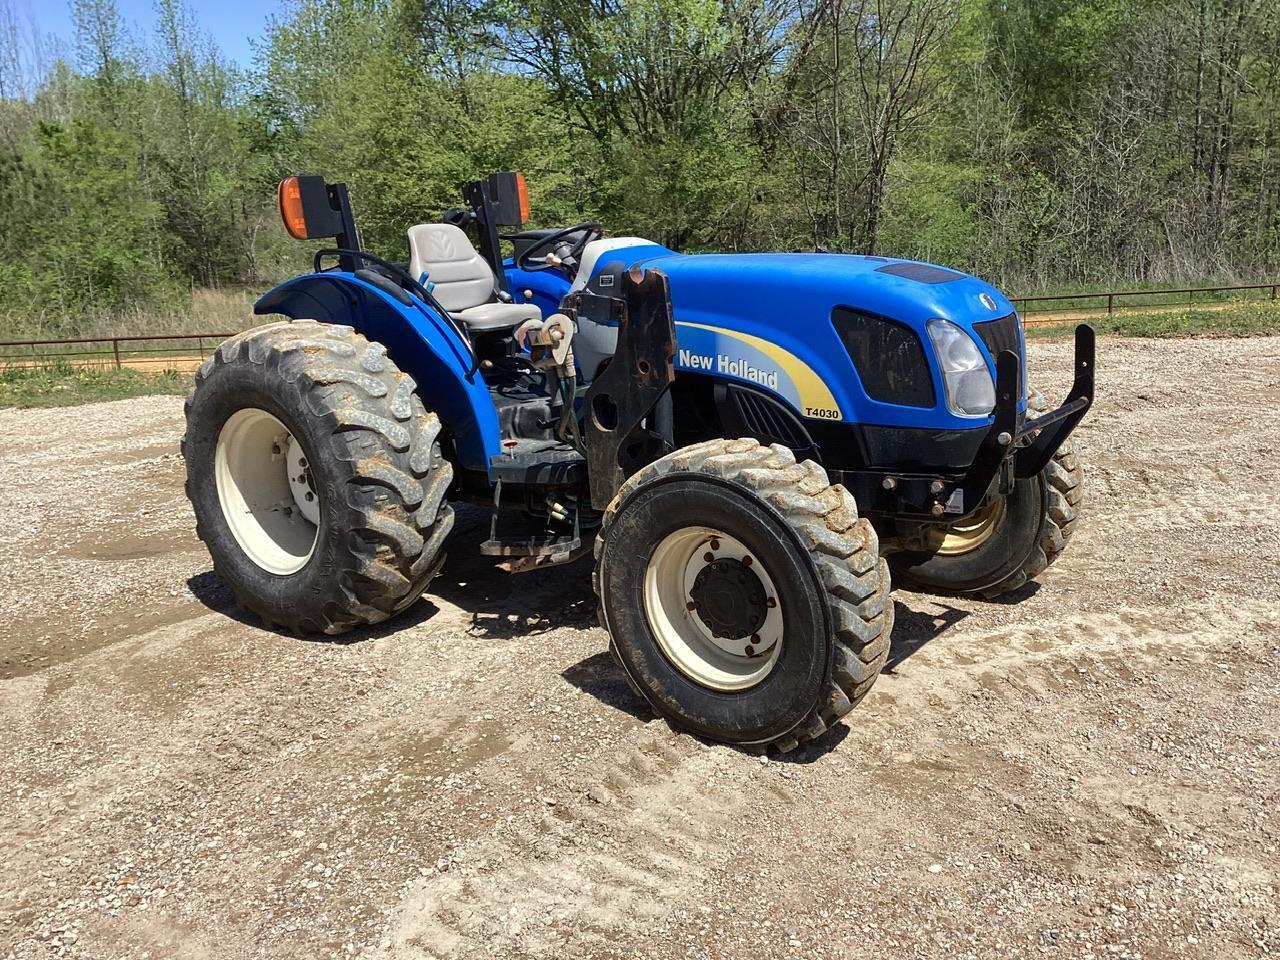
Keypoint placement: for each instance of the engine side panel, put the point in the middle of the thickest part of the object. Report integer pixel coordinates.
(766, 320)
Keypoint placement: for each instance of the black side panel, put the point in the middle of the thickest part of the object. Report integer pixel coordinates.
(888, 356)
(852, 446)
(923, 272)
(747, 412)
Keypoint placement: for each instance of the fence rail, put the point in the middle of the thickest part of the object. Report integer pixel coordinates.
(162, 351)
(185, 351)
(1114, 299)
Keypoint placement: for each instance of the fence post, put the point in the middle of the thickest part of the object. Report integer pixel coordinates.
(1273, 291)
(1110, 301)
(115, 349)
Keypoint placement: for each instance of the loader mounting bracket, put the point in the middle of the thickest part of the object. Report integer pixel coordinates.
(626, 392)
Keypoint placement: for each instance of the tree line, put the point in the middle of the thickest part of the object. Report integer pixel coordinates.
(1034, 142)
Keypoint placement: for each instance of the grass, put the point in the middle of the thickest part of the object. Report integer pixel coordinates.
(62, 385)
(1245, 319)
(1070, 297)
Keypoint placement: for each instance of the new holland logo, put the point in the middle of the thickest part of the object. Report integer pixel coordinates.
(988, 301)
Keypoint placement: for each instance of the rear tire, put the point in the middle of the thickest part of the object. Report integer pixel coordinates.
(1034, 524)
(733, 515)
(316, 477)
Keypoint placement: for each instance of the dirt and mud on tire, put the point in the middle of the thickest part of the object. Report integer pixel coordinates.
(342, 424)
(812, 552)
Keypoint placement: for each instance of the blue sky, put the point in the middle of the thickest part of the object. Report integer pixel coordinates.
(230, 23)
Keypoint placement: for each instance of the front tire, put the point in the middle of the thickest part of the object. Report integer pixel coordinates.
(744, 597)
(316, 477)
(1013, 540)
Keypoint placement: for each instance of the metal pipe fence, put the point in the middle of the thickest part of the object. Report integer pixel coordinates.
(177, 351)
(1116, 299)
(185, 351)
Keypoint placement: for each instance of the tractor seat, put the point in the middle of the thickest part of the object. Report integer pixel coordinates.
(464, 282)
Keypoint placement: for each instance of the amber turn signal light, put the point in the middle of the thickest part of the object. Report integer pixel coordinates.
(295, 220)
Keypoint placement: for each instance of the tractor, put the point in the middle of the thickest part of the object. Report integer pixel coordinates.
(750, 445)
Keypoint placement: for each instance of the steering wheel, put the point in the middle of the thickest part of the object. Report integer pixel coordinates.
(589, 230)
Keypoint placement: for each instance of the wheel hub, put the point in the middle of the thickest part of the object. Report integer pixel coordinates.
(713, 609)
(973, 532)
(266, 491)
(729, 598)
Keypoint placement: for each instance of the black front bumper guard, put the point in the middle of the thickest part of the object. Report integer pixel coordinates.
(1012, 448)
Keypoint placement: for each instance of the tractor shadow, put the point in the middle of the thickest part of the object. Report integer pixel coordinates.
(503, 606)
(600, 677)
(913, 630)
(471, 595)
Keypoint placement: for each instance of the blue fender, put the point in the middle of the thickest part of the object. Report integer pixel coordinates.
(422, 344)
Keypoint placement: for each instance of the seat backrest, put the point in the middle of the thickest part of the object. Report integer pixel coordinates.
(461, 276)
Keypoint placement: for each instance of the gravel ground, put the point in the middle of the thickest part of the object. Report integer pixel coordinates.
(1088, 771)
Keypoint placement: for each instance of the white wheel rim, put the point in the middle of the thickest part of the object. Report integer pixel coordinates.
(718, 662)
(266, 493)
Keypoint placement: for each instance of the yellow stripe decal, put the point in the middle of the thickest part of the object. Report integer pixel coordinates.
(812, 394)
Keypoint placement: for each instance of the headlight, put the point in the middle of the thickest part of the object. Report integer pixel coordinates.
(970, 390)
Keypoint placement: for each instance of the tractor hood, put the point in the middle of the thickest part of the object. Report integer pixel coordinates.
(767, 319)
(815, 283)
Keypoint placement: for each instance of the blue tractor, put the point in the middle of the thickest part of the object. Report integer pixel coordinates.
(749, 443)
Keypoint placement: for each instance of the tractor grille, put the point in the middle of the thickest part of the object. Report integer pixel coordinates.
(768, 421)
(1002, 334)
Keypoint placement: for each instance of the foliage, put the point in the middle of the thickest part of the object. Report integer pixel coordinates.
(1039, 143)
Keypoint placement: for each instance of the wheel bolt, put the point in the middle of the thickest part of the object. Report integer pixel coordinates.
(715, 544)
(708, 556)
(691, 605)
(750, 652)
(773, 602)
(747, 561)
(310, 497)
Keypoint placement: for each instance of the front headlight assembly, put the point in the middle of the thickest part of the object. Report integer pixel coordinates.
(970, 389)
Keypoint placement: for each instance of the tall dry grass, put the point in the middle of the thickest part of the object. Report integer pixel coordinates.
(207, 310)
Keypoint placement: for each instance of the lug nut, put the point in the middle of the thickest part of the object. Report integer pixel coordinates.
(936, 486)
(747, 561)
(937, 509)
(890, 483)
(691, 605)
(708, 556)
(715, 544)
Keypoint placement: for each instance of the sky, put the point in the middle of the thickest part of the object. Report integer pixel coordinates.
(231, 24)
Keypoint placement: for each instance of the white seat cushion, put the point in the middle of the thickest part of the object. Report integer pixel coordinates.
(488, 317)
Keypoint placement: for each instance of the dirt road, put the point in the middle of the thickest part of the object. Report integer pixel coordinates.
(1093, 770)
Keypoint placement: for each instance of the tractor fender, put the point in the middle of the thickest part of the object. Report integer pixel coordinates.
(423, 344)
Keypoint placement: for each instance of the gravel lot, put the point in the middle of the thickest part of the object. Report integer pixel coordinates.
(1092, 770)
